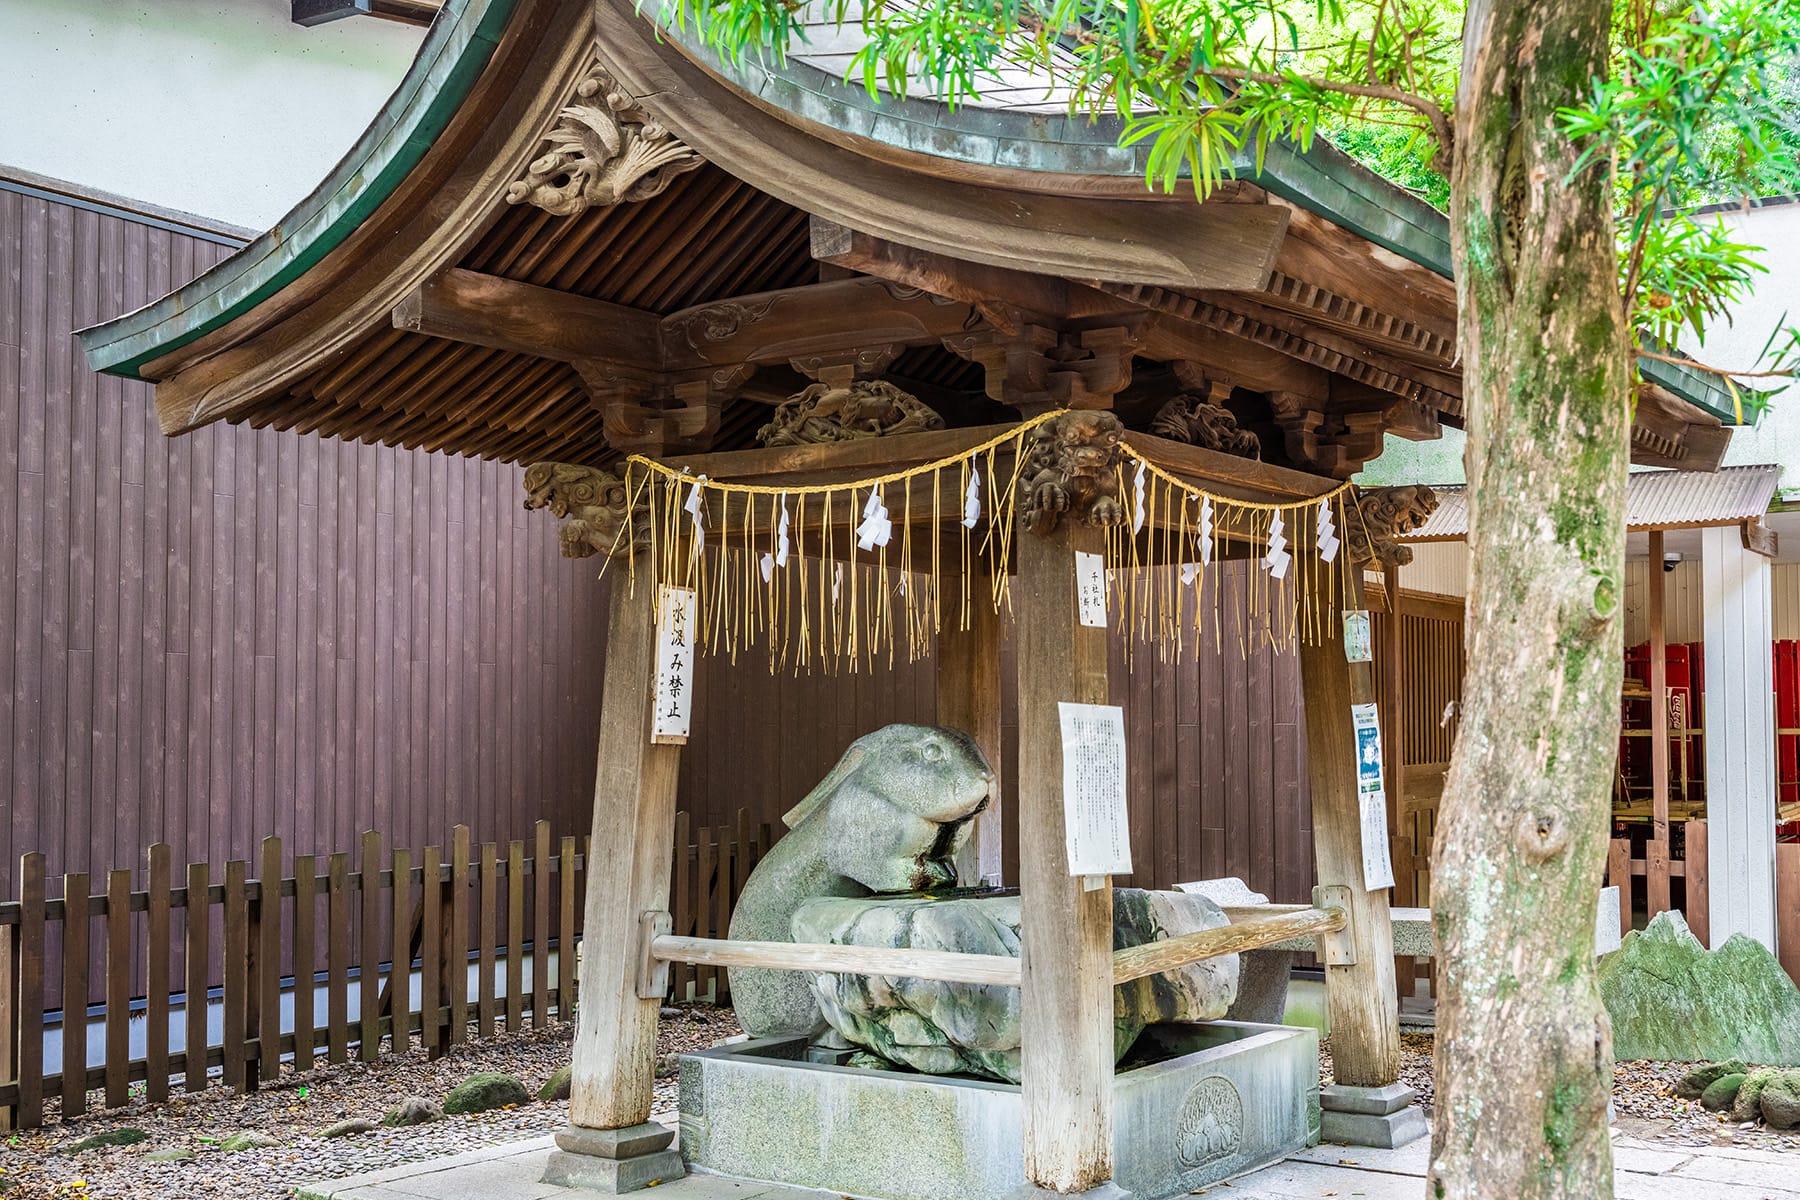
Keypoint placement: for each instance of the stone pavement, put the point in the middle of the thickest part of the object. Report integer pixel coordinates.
(1645, 1171)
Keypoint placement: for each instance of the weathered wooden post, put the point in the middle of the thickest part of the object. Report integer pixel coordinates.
(611, 1145)
(1066, 1048)
(1367, 1105)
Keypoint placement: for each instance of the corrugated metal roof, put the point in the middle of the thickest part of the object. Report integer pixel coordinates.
(1653, 499)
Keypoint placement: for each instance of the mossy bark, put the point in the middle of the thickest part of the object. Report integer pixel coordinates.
(1524, 1055)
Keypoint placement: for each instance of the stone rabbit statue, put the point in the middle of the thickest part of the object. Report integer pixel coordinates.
(889, 817)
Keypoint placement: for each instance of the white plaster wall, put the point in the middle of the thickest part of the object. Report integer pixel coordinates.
(224, 109)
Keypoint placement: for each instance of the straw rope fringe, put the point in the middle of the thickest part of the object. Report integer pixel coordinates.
(834, 576)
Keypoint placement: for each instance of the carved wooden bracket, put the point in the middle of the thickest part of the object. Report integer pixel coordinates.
(593, 504)
(1070, 469)
(1331, 443)
(862, 409)
(1379, 516)
(604, 149)
(839, 369)
(1035, 369)
(654, 415)
(1195, 420)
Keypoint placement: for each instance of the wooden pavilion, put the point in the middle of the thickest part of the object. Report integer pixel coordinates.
(568, 239)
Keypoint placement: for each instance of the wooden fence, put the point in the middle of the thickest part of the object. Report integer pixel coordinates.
(1657, 868)
(487, 906)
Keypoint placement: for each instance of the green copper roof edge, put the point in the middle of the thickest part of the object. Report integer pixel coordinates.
(455, 52)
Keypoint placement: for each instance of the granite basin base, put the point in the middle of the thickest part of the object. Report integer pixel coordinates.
(1192, 1105)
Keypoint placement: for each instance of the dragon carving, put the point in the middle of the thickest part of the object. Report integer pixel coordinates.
(1192, 419)
(604, 149)
(1382, 514)
(593, 504)
(1070, 469)
(865, 409)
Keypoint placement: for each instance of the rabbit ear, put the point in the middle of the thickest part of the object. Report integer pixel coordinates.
(826, 786)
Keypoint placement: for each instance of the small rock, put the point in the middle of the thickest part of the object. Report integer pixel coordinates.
(125, 1135)
(1704, 1076)
(250, 1139)
(1781, 1101)
(667, 1066)
(349, 1128)
(1721, 1092)
(483, 1091)
(668, 1010)
(169, 1154)
(414, 1110)
(557, 1086)
(1748, 1105)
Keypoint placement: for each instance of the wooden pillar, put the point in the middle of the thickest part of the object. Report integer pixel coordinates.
(968, 698)
(1365, 1013)
(1400, 822)
(1739, 720)
(1066, 941)
(1656, 855)
(614, 1066)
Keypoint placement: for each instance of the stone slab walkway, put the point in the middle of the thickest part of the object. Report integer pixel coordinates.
(1645, 1171)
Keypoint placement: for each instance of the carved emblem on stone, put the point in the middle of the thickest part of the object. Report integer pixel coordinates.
(865, 409)
(1210, 1125)
(604, 149)
(1071, 469)
(592, 503)
(1382, 514)
(1192, 419)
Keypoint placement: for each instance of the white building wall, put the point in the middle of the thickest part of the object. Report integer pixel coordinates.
(1785, 582)
(225, 109)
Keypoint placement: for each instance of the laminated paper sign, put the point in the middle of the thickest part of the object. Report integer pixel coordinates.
(674, 665)
(1096, 832)
(1356, 636)
(1378, 866)
(1090, 588)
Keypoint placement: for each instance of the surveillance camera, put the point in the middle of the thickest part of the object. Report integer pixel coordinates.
(1670, 559)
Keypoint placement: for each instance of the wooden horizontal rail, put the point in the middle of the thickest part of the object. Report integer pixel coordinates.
(1153, 958)
(996, 969)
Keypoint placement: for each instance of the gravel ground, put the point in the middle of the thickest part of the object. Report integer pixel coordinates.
(1644, 1102)
(293, 1110)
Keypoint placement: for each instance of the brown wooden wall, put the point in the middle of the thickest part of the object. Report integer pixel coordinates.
(1216, 753)
(209, 639)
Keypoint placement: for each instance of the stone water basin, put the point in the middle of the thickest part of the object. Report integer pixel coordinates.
(1193, 1104)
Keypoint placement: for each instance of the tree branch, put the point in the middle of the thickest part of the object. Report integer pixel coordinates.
(1433, 113)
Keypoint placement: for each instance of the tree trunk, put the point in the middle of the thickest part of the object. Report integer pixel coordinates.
(1524, 1048)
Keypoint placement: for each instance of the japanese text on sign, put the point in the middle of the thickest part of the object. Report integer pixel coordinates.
(1090, 588)
(1378, 866)
(674, 665)
(1096, 832)
(1356, 636)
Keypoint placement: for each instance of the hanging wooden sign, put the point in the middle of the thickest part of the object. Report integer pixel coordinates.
(675, 620)
(1357, 638)
(1096, 829)
(1378, 864)
(1090, 589)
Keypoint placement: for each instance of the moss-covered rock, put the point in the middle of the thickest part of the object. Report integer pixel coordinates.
(1721, 1092)
(249, 1139)
(483, 1091)
(125, 1135)
(557, 1086)
(1748, 1104)
(169, 1154)
(413, 1110)
(1696, 1081)
(1673, 1000)
(1781, 1101)
(349, 1128)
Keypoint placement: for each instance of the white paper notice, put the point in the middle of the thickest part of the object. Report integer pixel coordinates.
(1357, 638)
(1096, 831)
(1090, 588)
(674, 665)
(1378, 865)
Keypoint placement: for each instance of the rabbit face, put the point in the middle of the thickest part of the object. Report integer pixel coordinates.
(897, 820)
